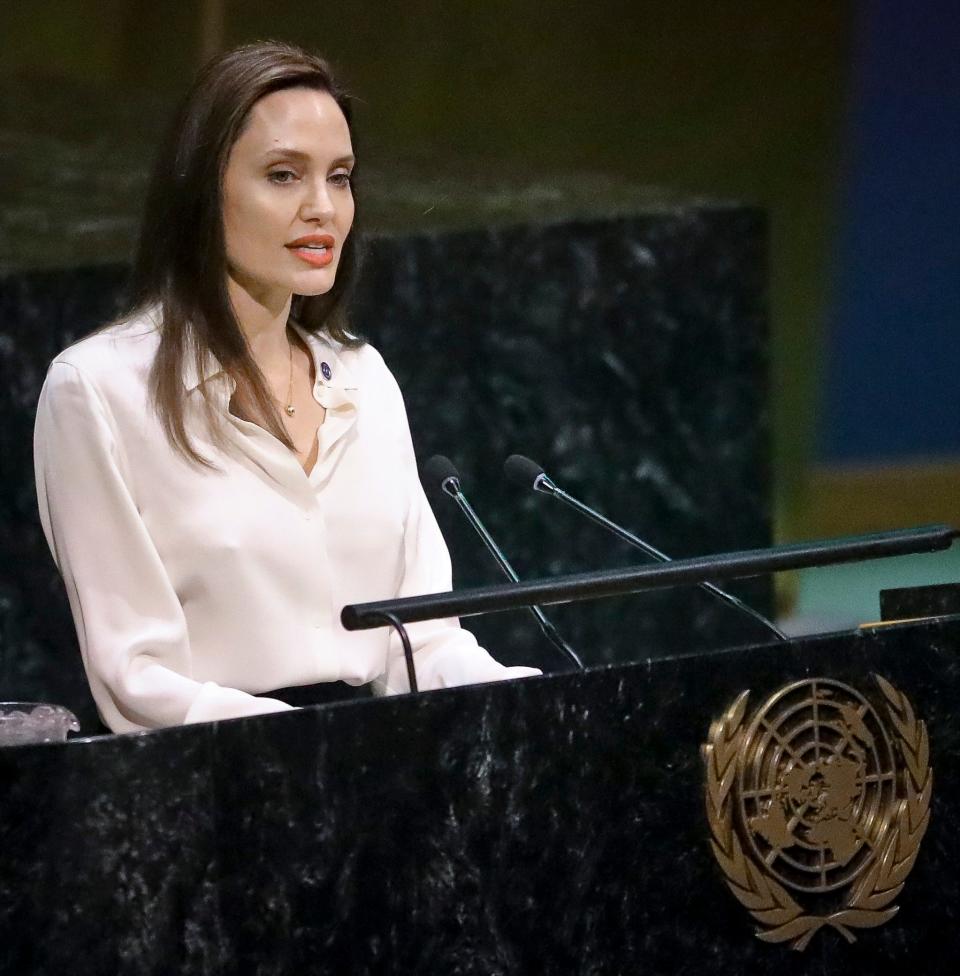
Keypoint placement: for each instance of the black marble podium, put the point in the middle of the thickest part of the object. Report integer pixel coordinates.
(551, 825)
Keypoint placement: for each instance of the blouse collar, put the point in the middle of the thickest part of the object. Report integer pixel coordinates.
(329, 367)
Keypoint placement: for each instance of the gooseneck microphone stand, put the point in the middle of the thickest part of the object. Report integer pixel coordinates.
(531, 475)
(441, 471)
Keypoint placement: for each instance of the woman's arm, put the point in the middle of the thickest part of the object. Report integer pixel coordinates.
(130, 625)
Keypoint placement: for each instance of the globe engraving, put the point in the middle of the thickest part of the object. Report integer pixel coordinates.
(816, 784)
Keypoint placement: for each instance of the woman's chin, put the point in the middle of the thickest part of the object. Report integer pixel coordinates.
(310, 286)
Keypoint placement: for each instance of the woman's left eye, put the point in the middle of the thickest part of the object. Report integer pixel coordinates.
(282, 176)
(340, 179)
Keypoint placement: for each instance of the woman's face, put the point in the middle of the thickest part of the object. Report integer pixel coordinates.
(287, 201)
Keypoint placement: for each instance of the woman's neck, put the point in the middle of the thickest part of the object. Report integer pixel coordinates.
(263, 321)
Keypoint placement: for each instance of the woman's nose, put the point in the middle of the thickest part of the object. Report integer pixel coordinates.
(317, 204)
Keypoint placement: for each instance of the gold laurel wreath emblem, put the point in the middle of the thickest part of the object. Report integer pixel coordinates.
(868, 903)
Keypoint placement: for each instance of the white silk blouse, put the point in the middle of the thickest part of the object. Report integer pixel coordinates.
(195, 589)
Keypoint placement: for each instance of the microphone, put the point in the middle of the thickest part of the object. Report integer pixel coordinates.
(441, 471)
(531, 475)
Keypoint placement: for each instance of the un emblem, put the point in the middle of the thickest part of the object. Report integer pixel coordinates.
(817, 804)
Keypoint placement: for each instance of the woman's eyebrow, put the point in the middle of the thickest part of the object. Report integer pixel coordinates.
(288, 152)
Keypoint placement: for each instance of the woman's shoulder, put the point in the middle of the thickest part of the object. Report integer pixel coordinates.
(122, 350)
(364, 360)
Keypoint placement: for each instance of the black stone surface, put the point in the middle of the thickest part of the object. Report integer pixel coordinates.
(548, 826)
(40, 314)
(908, 602)
(627, 354)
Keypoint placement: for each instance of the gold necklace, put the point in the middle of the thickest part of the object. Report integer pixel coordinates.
(290, 408)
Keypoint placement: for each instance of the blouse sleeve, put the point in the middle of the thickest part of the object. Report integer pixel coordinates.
(445, 654)
(131, 627)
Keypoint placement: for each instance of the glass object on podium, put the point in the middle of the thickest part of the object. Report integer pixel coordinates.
(24, 723)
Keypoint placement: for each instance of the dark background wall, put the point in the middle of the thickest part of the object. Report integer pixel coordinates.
(738, 100)
(627, 354)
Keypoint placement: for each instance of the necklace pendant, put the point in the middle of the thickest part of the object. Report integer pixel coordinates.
(291, 409)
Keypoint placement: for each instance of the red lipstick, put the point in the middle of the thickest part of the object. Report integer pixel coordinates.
(315, 249)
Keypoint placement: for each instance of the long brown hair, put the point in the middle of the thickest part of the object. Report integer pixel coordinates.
(181, 262)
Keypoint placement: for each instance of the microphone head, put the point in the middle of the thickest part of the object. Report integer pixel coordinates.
(437, 470)
(522, 470)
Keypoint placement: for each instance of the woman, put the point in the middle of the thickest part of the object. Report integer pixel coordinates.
(225, 468)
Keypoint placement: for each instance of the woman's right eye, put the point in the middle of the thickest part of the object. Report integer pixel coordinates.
(282, 176)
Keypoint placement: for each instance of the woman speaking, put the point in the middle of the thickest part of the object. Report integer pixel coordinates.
(224, 468)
